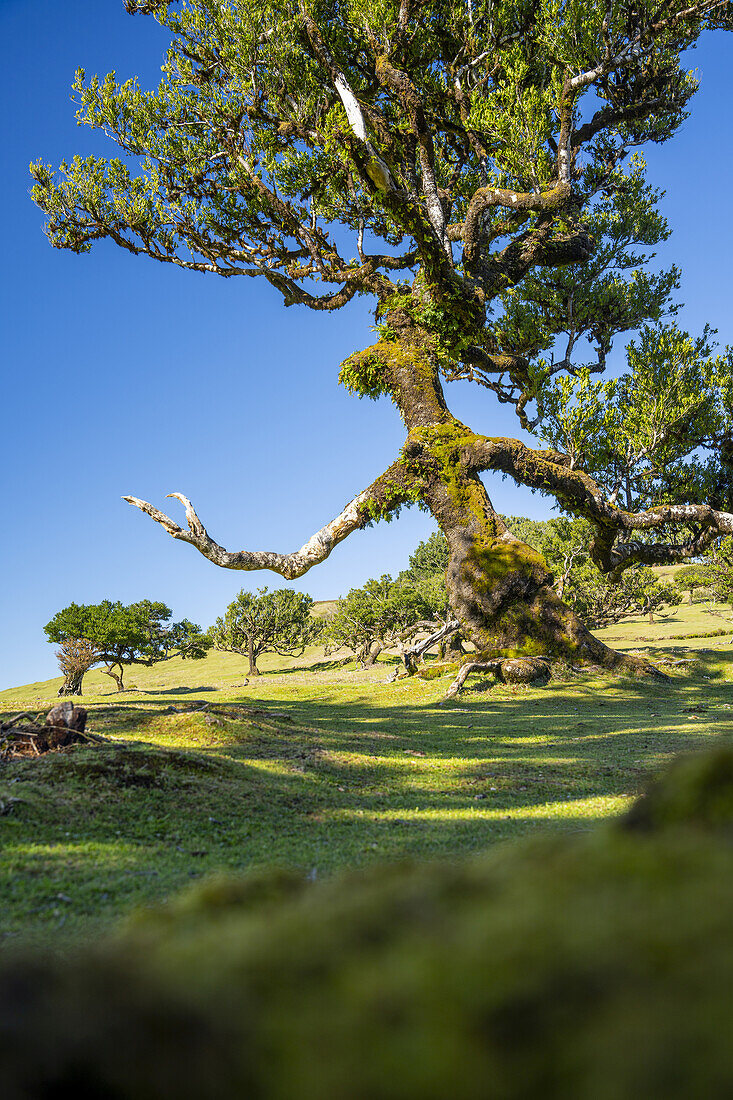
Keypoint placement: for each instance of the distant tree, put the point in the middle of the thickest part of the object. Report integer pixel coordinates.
(531, 531)
(717, 570)
(136, 634)
(603, 602)
(430, 557)
(266, 622)
(563, 542)
(426, 573)
(692, 577)
(75, 656)
(651, 593)
(431, 595)
(379, 614)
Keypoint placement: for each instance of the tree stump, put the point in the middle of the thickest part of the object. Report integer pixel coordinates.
(63, 725)
(24, 735)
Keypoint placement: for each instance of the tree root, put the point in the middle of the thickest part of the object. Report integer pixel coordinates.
(529, 670)
(507, 670)
(637, 666)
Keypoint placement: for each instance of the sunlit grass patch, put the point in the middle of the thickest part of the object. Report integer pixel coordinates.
(319, 770)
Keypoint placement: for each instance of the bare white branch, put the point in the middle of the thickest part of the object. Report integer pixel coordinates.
(378, 171)
(290, 566)
(293, 565)
(634, 49)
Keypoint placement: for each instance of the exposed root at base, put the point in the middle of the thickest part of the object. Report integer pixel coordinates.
(537, 671)
(507, 670)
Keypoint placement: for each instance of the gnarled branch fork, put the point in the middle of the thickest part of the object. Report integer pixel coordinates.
(387, 493)
(582, 495)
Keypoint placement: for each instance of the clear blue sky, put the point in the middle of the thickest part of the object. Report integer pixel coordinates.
(123, 376)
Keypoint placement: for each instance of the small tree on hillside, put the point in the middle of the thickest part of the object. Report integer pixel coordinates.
(75, 656)
(137, 634)
(266, 622)
(379, 614)
(651, 593)
(603, 602)
(717, 570)
(427, 575)
(692, 577)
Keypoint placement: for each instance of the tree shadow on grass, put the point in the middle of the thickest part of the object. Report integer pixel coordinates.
(175, 690)
(346, 782)
(90, 840)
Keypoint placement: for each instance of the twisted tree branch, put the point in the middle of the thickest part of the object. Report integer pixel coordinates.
(580, 494)
(410, 654)
(387, 493)
(486, 197)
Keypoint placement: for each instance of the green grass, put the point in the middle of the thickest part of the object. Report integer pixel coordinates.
(322, 608)
(334, 769)
(673, 623)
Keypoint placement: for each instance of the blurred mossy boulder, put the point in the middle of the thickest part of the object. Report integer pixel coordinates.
(596, 967)
(695, 790)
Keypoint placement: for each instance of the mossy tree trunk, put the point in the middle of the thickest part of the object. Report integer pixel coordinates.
(500, 589)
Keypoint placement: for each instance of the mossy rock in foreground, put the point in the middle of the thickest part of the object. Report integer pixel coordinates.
(598, 967)
(694, 790)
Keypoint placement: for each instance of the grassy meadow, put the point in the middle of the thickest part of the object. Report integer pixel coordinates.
(317, 766)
